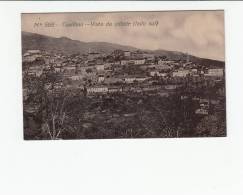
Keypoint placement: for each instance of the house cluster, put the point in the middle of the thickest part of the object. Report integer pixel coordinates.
(102, 73)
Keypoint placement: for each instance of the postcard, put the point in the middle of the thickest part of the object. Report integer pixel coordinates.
(106, 75)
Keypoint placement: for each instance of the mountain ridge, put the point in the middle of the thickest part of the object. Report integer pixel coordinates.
(69, 46)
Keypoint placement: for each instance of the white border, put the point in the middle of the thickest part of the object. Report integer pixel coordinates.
(197, 166)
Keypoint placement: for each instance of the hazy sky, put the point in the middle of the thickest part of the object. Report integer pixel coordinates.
(200, 33)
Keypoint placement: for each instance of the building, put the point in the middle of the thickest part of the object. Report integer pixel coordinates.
(57, 69)
(127, 53)
(113, 89)
(157, 73)
(201, 111)
(148, 56)
(31, 55)
(170, 87)
(141, 79)
(131, 79)
(97, 89)
(34, 51)
(100, 67)
(25, 94)
(163, 67)
(93, 55)
(76, 77)
(139, 61)
(35, 71)
(133, 61)
(69, 68)
(180, 73)
(124, 62)
(194, 71)
(101, 78)
(31, 58)
(216, 72)
(165, 62)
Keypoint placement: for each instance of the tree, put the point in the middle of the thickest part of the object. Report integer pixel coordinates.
(212, 125)
(54, 116)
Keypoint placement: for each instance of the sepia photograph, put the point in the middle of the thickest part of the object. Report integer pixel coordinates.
(112, 75)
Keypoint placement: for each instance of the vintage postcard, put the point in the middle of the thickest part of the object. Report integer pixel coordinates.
(101, 75)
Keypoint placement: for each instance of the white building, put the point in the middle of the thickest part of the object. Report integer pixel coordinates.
(217, 72)
(201, 111)
(165, 62)
(76, 77)
(141, 79)
(133, 61)
(180, 73)
(113, 89)
(124, 62)
(127, 53)
(100, 67)
(132, 79)
(157, 73)
(154, 73)
(139, 61)
(194, 71)
(35, 70)
(100, 89)
(69, 68)
(30, 57)
(162, 67)
(101, 78)
(33, 51)
(57, 69)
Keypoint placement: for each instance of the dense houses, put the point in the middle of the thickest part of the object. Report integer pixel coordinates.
(118, 71)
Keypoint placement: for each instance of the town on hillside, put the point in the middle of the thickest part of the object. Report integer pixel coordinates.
(122, 94)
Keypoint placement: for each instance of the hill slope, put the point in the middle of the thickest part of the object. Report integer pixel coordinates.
(69, 46)
(66, 45)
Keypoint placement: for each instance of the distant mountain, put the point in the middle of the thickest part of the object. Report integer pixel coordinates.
(68, 46)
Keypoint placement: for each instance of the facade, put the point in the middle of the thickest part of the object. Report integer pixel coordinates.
(113, 89)
(35, 71)
(130, 79)
(100, 67)
(101, 78)
(124, 62)
(127, 53)
(157, 73)
(69, 68)
(217, 72)
(181, 73)
(98, 89)
(57, 69)
(165, 62)
(133, 79)
(93, 55)
(76, 77)
(163, 67)
(139, 61)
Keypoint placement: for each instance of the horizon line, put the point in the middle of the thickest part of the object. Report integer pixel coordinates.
(186, 53)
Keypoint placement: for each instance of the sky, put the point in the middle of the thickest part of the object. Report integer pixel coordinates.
(200, 33)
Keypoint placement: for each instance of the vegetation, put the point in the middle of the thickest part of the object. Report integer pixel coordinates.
(72, 115)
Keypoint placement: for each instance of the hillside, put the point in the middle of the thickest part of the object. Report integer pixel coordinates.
(68, 46)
